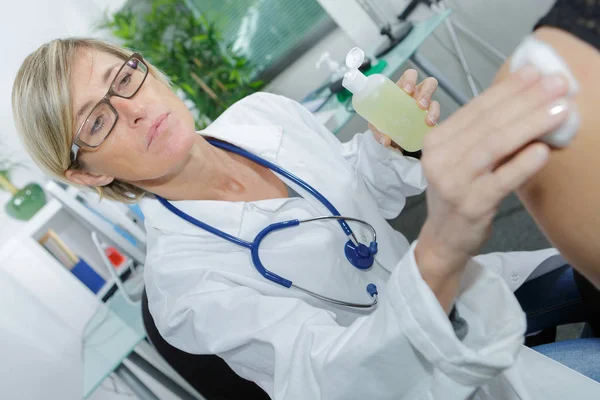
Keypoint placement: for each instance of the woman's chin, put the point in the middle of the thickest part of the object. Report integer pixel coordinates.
(174, 153)
(175, 143)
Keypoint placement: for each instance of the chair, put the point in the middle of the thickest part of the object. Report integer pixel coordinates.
(208, 374)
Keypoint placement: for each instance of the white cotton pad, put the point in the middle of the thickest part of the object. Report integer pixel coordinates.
(541, 55)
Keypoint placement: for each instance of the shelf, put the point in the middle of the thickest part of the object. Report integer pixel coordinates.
(94, 222)
(73, 222)
(111, 209)
(74, 233)
(40, 221)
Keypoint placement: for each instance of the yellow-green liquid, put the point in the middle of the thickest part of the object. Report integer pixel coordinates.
(393, 112)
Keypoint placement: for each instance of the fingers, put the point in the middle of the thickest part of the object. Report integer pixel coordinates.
(511, 175)
(460, 121)
(433, 115)
(385, 140)
(425, 91)
(487, 155)
(408, 81)
(380, 137)
(531, 101)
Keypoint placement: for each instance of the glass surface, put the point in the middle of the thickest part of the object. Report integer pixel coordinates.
(343, 112)
(26, 202)
(110, 336)
(262, 30)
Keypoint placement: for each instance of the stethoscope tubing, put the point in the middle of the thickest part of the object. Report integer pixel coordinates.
(254, 246)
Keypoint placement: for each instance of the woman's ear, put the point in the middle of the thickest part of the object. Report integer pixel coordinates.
(84, 178)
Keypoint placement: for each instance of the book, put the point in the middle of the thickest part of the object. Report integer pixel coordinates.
(82, 270)
(55, 246)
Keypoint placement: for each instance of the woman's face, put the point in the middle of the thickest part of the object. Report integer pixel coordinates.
(152, 137)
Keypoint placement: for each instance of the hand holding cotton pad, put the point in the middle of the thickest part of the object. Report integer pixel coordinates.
(541, 55)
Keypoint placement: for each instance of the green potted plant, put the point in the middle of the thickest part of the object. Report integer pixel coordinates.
(189, 50)
(25, 202)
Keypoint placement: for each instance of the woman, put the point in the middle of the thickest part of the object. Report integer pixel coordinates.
(204, 293)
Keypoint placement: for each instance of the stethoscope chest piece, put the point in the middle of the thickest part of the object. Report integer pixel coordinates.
(360, 256)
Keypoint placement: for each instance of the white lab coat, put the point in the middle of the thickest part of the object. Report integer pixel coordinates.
(207, 298)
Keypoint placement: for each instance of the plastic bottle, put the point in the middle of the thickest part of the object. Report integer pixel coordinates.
(381, 102)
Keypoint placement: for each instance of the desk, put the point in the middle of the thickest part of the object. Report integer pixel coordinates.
(111, 340)
(108, 340)
(68, 336)
(340, 113)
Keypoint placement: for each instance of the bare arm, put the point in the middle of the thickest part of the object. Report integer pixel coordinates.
(564, 197)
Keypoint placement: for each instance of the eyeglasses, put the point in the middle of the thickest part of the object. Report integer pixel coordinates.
(103, 117)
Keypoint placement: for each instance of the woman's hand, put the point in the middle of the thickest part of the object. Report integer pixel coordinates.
(473, 161)
(422, 94)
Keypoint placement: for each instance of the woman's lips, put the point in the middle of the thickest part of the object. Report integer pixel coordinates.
(157, 127)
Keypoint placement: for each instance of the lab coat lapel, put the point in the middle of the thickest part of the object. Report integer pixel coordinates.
(223, 215)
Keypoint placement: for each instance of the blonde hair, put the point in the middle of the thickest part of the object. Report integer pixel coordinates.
(42, 109)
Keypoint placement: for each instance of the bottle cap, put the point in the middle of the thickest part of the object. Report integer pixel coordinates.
(354, 80)
(355, 58)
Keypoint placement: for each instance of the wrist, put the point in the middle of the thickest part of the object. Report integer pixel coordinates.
(441, 269)
(438, 252)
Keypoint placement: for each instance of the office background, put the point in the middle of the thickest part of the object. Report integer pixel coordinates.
(288, 37)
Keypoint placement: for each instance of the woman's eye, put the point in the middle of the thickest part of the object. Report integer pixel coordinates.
(124, 81)
(97, 126)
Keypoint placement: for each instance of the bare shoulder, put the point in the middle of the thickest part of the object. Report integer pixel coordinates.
(564, 198)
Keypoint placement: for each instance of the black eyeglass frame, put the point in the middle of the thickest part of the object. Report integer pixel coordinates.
(77, 142)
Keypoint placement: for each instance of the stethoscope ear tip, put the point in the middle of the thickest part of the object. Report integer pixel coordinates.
(372, 289)
(373, 248)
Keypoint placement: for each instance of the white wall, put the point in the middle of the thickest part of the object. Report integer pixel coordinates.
(361, 20)
(24, 26)
(503, 23)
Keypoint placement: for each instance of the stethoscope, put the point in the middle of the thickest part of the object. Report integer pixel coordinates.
(358, 254)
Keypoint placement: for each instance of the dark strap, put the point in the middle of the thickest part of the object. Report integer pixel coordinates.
(578, 17)
(460, 326)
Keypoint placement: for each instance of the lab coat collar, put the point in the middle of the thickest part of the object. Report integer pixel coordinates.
(262, 140)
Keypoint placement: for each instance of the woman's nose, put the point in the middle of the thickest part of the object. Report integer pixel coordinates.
(130, 110)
